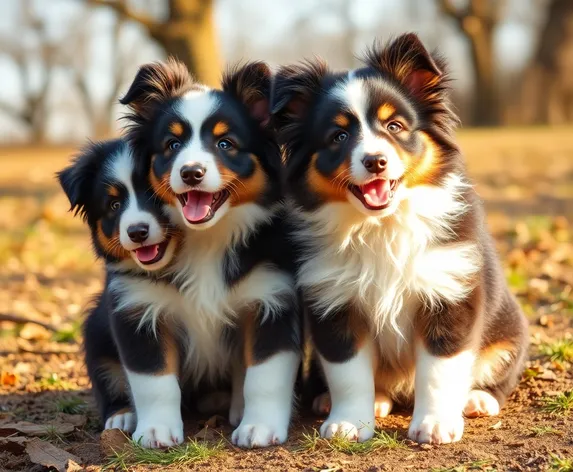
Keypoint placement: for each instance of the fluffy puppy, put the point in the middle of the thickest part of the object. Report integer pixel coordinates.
(216, 166)
(109, 189)
(406, 298)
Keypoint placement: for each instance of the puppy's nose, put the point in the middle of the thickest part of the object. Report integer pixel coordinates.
(138, 233)
(375, 163)
(192, 175)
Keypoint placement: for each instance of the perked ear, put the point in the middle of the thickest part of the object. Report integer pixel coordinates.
(77, 180)
(155, 82)
(295, 89)
(407, 60)
(251, 85)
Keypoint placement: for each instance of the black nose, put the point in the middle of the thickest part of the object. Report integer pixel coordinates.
(375, 163)
(138, 233)
(192, 175)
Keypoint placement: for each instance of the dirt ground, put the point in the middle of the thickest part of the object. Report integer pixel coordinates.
(48, 275)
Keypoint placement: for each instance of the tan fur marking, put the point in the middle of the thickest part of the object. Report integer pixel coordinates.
(111, 246)
(244, 190)
(176, 128)
(220, 128)
(386, 111)
(170, 352)
(329, 188)
(421, 170)
(248, 339)
(161, 187)
(341, 120)
(113, 192)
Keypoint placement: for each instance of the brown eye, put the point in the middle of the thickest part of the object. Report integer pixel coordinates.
(114, 205)
(394, 127)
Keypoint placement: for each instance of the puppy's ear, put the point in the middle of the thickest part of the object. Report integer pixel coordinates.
(408, 61)
(77, 180)
(155, 82)
(295, 89)
(251, 84)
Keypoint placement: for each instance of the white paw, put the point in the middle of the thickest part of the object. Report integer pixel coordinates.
(159, 435)
(433, 429)
(382, 406)
(124, 420)
(259, 435)
(321, 404)
(352, 427)
(481, 403)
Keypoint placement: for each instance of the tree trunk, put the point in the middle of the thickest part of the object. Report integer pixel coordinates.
(190, 36)
(548, 89)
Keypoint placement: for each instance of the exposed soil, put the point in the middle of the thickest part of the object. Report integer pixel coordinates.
(49, 275)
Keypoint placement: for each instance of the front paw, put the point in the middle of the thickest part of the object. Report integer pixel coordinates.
(436, 429)
(159, 434)
(250, 435)
(352, 427)
(123, 419)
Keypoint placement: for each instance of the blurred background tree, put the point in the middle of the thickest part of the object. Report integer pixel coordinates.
(65, 62)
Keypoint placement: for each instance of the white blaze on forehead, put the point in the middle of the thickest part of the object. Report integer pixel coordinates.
(121, 170)
(354, 94)
(195, 107)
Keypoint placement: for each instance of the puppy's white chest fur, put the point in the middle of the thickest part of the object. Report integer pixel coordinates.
(201, 300)
(388, 267)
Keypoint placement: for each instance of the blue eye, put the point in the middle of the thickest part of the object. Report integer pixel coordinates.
(340, 137)
(225, 144)
(174, 145)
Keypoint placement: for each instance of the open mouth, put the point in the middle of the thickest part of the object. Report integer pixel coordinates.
(200, 207)
(151, 254)
(376, 194)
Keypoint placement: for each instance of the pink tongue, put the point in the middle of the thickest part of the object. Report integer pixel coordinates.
(198, 205)
(147, 253)
(377, 192)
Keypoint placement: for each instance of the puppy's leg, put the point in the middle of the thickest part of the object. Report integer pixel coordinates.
(151, 362)
(441, 390)
(272, 356)
(237, 399)
(104, 369)
(347, 358)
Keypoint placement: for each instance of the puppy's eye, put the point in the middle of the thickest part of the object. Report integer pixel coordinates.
(394, 127)
(114, 205)
(225, 144)
(340, 137)
(173, 144)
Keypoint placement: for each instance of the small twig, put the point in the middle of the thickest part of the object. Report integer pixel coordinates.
(23, 319)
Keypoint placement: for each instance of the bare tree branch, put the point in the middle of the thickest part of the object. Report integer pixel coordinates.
(124, 11)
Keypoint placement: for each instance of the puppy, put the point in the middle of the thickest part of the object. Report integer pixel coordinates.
(216, 166)
(406, 298)
(108, 187)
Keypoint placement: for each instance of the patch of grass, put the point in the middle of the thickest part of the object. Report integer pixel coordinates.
(133, 454)
(68, 334)
(544, 430)
(381, 440)
(476, 465)
(52, 435)
(559, 464)
(561, 404)
(54, 382)
(70, 405)
(561, 350)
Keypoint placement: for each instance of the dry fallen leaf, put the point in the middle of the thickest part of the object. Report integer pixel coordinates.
(32, 429)
(34, 332)
(48, 455)
(207, 434)
(8, 379)
(496, 425)
(14, 444)
(112, 440)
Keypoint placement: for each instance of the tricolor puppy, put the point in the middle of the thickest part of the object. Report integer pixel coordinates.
(215, 164)
(406, 297)
(107, 185)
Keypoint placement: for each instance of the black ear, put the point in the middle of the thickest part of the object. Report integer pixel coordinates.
(251, 84)
(295, 88)
(78, 179)
(408, 61)
(155, 82)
